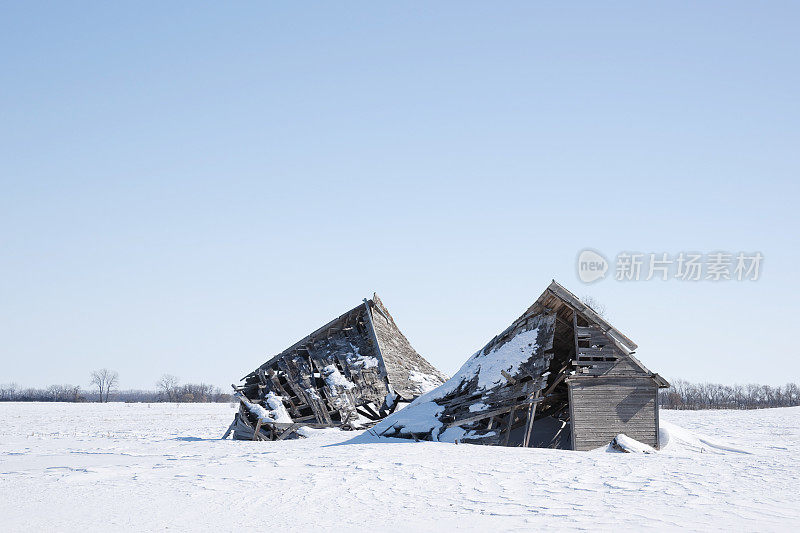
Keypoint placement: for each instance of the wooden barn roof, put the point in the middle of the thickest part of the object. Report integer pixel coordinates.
(400, 362)
(561, 293)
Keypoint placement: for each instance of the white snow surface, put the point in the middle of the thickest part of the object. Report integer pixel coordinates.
(140, 467)
(424, 382)
(277, 409)
(363, 361)
(630, 445)
(368, 362)
(276, 412)
(476, 407)
(334, 379)
(489, 366)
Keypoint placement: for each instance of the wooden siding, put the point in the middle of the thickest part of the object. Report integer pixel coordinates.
(601, 408)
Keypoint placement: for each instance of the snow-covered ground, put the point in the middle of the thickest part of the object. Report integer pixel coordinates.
(71, 467)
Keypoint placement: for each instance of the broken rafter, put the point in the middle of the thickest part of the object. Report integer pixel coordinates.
(487, 414)
(331, 377)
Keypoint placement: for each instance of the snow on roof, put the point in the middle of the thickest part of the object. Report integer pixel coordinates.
(275, 413)
(485, 369)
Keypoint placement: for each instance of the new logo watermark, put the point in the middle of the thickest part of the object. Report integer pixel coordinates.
(591, 266)
(682, 266)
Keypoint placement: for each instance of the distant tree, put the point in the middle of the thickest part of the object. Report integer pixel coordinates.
(105, 380)
(684, 395)
(111, 383)
(70, 393)
(167, 386)
(595, 305)
(8, 392)
(62, 393)
(792, 394)
(197, 393)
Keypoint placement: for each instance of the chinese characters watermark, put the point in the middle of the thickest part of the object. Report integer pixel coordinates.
(683, 266)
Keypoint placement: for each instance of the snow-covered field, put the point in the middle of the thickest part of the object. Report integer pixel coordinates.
(112, 467)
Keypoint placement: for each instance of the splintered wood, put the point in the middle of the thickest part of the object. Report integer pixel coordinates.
(350, 373)
(576, 387)
(559, 376)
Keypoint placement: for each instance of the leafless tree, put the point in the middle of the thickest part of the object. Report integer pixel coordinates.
(70, 393)
(792, 393)
(685, 395)
(8, 392)
(167, 386)
(197, 393)
(105, 380)
(595, 304)
(63, 393)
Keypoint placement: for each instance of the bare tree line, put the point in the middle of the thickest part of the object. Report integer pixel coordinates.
(686, 395)
(10, 392)
(680, 395)
(170, 390)
(104, 386)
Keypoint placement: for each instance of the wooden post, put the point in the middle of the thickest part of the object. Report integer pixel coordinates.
(230, 428)
(529, 423)
(288, 431)
(510, 423)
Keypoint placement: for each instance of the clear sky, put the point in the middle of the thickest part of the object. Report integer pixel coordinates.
(188, 188)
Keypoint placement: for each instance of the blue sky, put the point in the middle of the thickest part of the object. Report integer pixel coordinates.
(189, 188)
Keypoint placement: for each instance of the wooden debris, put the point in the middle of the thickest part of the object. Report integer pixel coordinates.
(349, 373)
(578, 386)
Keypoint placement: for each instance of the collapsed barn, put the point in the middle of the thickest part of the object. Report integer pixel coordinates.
(560, 376)
(351, 372)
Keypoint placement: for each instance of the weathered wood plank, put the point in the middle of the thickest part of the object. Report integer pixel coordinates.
(602, 409)
(489, 414)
